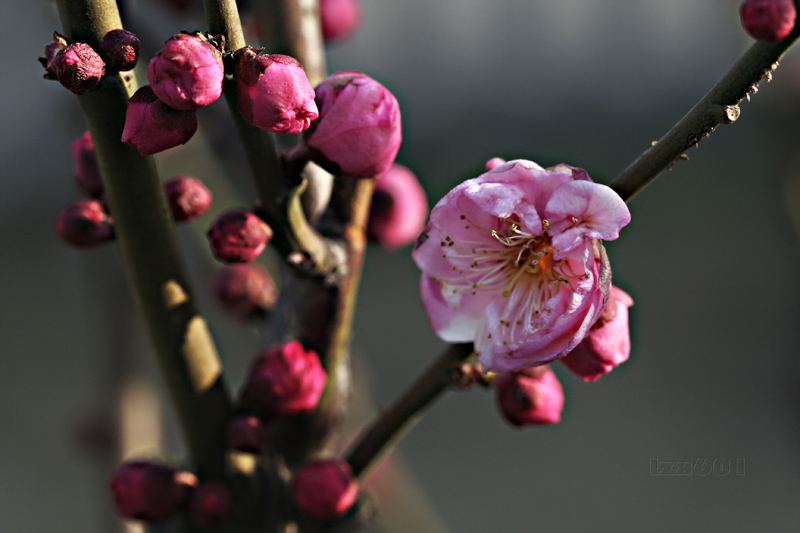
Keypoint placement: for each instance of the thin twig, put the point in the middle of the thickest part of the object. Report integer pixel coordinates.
(147, 240)
(719, 106)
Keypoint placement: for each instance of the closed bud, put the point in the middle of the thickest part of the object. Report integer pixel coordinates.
(399, 208)
(532, 396)
(324, 490)
(274, 94)
(187, 73)
(151, 126)
(246, 433)
(245, 291)
(146, 491)
(340, 18)
(187, 197)
(120, 49)
(87, 169)
(84, 224)
(285, 380)
(238, 236)
(79, 68)
(210, 504)
(608, 343)
(768, 20)
(358, 132)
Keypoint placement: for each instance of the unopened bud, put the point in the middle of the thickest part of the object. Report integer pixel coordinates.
(531, 396)
(399, 208)
(340, 18)
(146, 491)
(324, 490)
(87, 169)
(246, 433)
(210, 503)
(245, 291)
(187, 197)
(121, 50)
(152, 126)
(84, 224)
(238, 236)
(768, 20)
(79, 68)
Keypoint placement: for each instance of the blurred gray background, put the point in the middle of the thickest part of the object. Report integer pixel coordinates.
(710, 258)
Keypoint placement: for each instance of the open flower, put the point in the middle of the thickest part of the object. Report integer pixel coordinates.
(510, 261)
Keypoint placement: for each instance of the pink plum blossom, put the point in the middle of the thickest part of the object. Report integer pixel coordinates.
(274, 94)
(608, 343)
(187, 73)
(358, 132)
(340, 18)
(509, 262)
(151, 126)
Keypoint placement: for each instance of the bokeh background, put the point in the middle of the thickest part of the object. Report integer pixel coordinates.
(710, 258)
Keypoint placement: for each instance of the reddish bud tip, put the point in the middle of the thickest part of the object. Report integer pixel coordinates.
(187, 73)
(87, 169)
(246, 433)
(210, 504)
(274, 94)
(399, 208)
(245, 291)
(340, 18)
(768, 20)
(79, 68)
(187, 197)
(84, 224)
(324, 490)
(529, 397)
(358, 132)
(120, 49)
(151, 126)
(284, 380)
(146, 491)
(238, 236)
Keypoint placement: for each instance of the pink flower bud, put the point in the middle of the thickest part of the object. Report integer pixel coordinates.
(529, 397)
(210, 504)
(274, 94)
(768, 20)
(324, 490)
(87, 169)
(608, 343)
(246, 433)
(187, 73)
(146, 491)
(84, 224)
(399, 208)
(494, 162)
(238, 236)
(51, 51)
(245, 291)
(151, 126)
(79, 68)
(121, 50)
(358, 132)
(285, 380)
(340, 18)
(187, 197)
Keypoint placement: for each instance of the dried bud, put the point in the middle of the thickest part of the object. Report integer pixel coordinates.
(340, 18)
(399, 208)
(79, 68)
(358, 132)
(529, 397)
(146, 491)
(284, 380)
(238, 236)
(608, 343)
(187, 73)
(188, 198)
(50, 53)
(210, 504)
(324, 490)
(274, 94)
(768, 20)
(84, 224)
(87, 170)
(246, 433)
(152, 126)
(120, 49)
(245, 291)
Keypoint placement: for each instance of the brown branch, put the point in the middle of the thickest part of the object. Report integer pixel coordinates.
(147, 240)
(719, 106)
